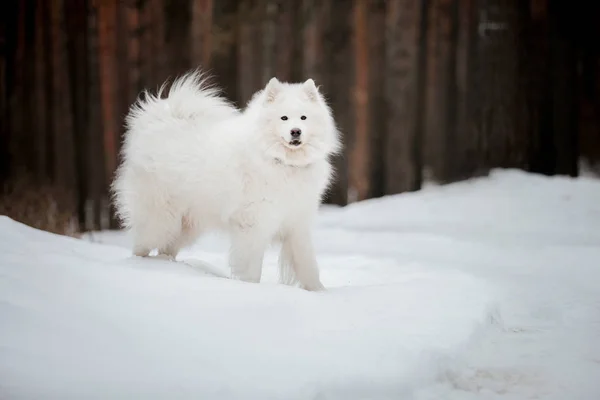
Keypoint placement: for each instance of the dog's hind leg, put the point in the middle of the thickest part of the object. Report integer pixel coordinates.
(155, 228)
(186, 236)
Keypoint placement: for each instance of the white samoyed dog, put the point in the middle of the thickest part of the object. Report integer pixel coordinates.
(194, 163)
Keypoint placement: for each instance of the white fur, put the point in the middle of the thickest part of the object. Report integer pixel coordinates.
(193, 163)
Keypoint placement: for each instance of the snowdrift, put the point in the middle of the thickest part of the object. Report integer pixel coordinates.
(83, 320)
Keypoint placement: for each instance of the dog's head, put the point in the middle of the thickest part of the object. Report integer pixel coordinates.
(296, 122)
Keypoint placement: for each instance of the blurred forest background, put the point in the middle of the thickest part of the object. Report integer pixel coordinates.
(423, 90)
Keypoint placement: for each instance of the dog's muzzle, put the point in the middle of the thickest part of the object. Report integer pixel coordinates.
(295, 133)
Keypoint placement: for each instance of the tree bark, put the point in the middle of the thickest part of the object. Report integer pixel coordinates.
(107, 41)
(76, 26)
(338, 56)
(359, 185)
(564, 88)
(7, 10)
(224, 56)
(249, 52)
(177, 16)
(132, 62)
(377, 98)
(29, 133)
(201, 38)
(284, 41)
(406, 26)
(269, 40)
(61, 101)
(495, 105)
(95, 126)
(160, 59)
(448, 91)
(42, 104)
(467, 165)
(16, 94)
(314, 13)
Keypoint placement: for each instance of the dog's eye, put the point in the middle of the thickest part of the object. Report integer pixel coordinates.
(284, 118)
(303, 117)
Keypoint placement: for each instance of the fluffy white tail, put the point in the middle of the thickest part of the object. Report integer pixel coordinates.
(190, 97)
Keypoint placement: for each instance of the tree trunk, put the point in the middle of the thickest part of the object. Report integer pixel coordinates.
(7, 10)
(441, 148)
(42, 104)
(146, 58)
(589, 86)
(338, 57)
(406, 25)
(95, 127)
(224, 56)
(107, 18)
(63, 128)
(467, 165)
(201, 27)
(496, 111)
(49, 94)
(360, 185)
(377, 99)
(249, 52)
(269, 40)
(123, 70)
(314, 13)
(16, 94)
(132, 62)
(564, 88)
(284, 41)
(177, 17)
(159, 58)
(448, 91)
(76, 26)
(28, 136)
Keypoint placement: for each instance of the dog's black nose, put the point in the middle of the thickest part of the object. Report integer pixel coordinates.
(295, 132)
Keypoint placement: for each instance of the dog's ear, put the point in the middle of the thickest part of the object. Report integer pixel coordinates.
(311, 89)
(272, 89)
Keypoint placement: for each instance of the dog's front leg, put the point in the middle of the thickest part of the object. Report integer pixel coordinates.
(246, 255)
(299, 250)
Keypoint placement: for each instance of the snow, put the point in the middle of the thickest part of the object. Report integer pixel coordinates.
(484, 289)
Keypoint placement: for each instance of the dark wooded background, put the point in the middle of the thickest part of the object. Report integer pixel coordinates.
(422, 89)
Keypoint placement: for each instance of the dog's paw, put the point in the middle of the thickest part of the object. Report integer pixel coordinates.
(166, 257)
(245, 277)
(313, 287)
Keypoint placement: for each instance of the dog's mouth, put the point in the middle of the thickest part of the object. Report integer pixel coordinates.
(295, 142)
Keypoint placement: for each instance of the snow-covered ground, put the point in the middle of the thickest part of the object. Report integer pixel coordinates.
(485, 289)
